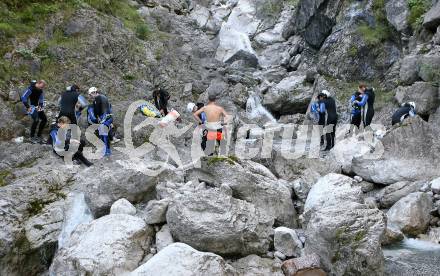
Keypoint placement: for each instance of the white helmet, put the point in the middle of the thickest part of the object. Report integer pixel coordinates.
(325, 92)
(93, 90)
(190, 107)
(412, 104)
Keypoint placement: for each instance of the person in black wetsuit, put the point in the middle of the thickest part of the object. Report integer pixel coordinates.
(367, 104)
(407, 110)
(33, 100)
(161, 97)
(57, 144)
(70, 103)
(100, 112)
(328, 107)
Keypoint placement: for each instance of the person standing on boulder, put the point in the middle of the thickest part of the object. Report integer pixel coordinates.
(328, 109)
(33, 100)
(71, 103)
(367, 104)
(215, 114)
(161, 97)
(100, 112)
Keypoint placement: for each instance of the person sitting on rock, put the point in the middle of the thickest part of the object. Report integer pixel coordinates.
(192, 107)
(215, 114)
(328, 111)
(33, 100)
(406, 110)
(59, 147)
(100, 112)
(161, 97)
(72, 103)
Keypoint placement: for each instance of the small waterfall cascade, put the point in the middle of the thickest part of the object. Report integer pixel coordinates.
(255, 109)
(78, 213)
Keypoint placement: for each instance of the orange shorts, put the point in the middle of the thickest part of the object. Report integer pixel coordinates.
(215, 135)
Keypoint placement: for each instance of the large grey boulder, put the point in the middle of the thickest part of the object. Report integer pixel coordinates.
(213, 221)
(254, 183)
(110, 245)
(411, 214)
(163, 238)
(343, 231)
(330, 190)
(183, 260)
(392, 193)
(254, 265)
(397, 14)
(9, 125)
(424, 94)
(411, 153)
(155, 211)
(409, 69)
(355, 146)
(289, 96)
(432, 18)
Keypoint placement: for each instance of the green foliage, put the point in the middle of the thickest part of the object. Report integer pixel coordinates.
(417, 8)
(292, 3)
(381, 30)
(231, 160)
(129, 77)
(353, 51)
(125, 12)
(4, 175)
(374, 36)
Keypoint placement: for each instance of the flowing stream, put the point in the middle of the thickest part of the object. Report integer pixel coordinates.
(77, 214)
(256, 110)
(412, 257)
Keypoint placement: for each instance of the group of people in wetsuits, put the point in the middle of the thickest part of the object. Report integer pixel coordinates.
(362, 112)
(71, 105)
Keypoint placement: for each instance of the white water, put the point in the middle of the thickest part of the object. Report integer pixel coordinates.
(256, 110)
(420, 245)
(77, 214)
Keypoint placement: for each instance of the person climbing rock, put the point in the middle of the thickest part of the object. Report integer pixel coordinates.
(406, 110)
(356, 110)
(328, 107)
(161, 97)
(58, 146)
(33, 100)
(215, 114)
(192, 107)
(72, 103)
(100, 112)
(367, 104)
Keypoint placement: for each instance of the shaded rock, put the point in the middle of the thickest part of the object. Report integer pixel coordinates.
(123, 206)
(429, 67)
(9, 127)
(409, 70)
(287, 242)
(213, 221)
(289, 96)
(432, 18)
(254, 265)
(394, 192)
(163, 238)
(182, 259)
(424, 94)
(110, 245)
(305, 265)
(411, 214)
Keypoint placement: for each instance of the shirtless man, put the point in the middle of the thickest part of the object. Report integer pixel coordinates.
(215, 114)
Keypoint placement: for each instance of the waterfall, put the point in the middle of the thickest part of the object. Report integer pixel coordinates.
(77, 214)
(256, 110)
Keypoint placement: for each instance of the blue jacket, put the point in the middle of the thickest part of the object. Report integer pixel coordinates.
(356, 109)
(33, 95)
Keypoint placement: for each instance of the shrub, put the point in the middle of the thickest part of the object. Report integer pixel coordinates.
(417, 8)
